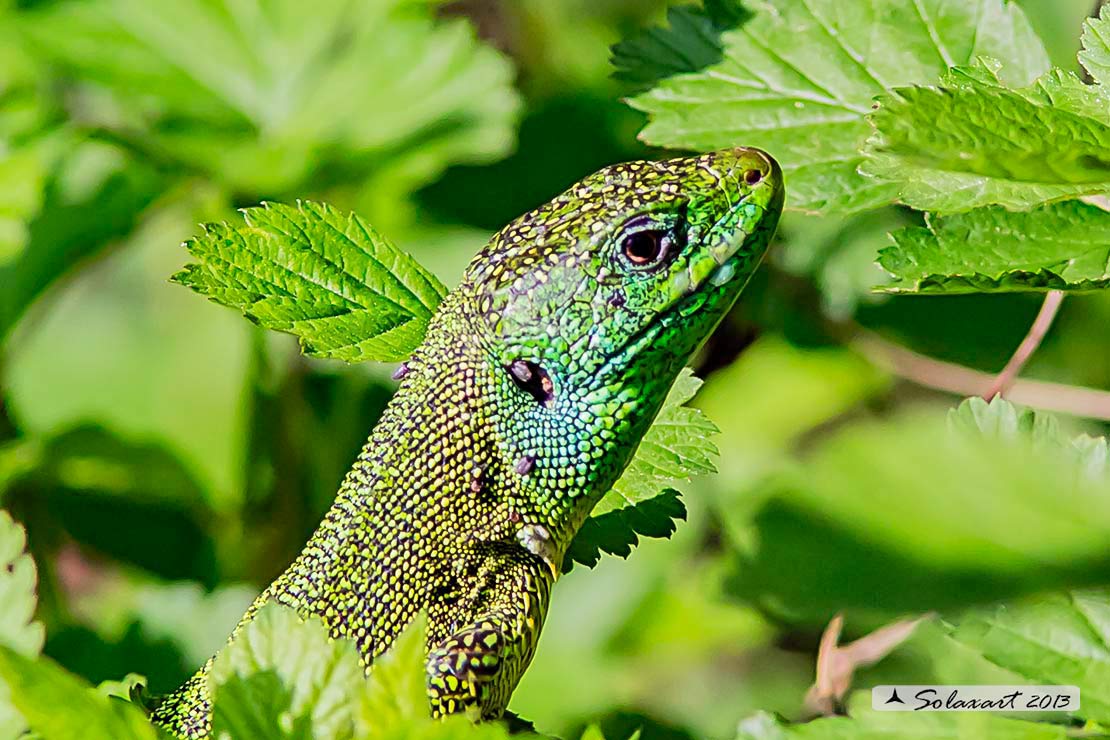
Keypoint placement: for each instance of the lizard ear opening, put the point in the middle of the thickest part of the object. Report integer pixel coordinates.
(533, 380)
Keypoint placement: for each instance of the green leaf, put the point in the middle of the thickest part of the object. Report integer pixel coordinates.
(1058, 246)
(799, 77)
(70, 224)
(29, 143)
(396, 696)
(1095, 54)
(134, 502)
(265, 97)
(677, 446)
(394, 703)
(18, 580)
(57, 704)
(258, 705)
(1092, 454)
(93, 460)
(318, 679)
(330, 279)
(691, 42)
(974, 141)
(194, 619)
(643, 500)
(785, 392)
(130, 685)
(619, 530)
(22, 178)
(906, 483)
(1061, 639)
(1001, 419)
(169, 350)
(910, 513)
(592, 732)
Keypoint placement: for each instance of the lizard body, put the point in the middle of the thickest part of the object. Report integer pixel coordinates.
(536, 380)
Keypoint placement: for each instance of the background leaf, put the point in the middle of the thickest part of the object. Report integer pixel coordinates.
(18, 632)
(1095, 52)
(72, 223)
(22, 176)
(409, 94)
(690, 41)
(1057, 639)
(1000, 419)
(798, 80)
(885, 507)
(18, 580)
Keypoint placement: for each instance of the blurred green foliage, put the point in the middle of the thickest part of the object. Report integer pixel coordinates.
(167, 458)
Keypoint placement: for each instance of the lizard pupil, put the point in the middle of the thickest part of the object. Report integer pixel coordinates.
(646, 247)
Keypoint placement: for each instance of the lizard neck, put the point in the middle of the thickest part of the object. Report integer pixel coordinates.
(542, 465)
(462, 462)
(461, 439)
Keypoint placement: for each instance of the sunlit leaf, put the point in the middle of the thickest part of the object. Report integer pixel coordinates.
(283, 662)
(798, 79)
(975, 141)
(18, 580)
(1059, 246)
(328, 278)
(57, 704)
(396, 694)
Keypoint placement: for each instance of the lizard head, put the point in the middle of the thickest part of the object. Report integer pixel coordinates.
(593, 302)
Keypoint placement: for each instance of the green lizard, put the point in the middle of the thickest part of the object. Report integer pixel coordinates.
(536, 380)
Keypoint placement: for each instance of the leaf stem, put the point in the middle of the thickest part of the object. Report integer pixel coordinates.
(926, 371)
(837, 664)
(1028, 346)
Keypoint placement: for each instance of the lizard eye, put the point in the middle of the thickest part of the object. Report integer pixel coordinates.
(645, 247)
(647, 244)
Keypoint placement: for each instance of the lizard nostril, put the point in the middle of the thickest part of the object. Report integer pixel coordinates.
(752, 177)
(534, 380)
